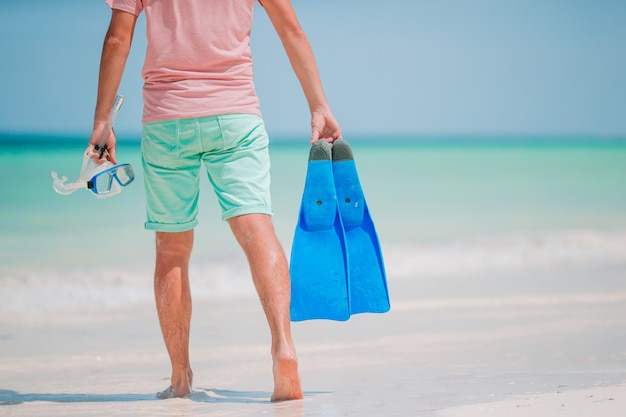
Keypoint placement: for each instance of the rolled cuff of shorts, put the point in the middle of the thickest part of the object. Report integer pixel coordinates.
(240, 211)
(169, 227)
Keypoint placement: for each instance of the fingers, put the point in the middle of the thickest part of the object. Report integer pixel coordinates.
(109, 152)
(111, 147)
(329, 137)
(315, 134)
(110, 155)
(324, 127)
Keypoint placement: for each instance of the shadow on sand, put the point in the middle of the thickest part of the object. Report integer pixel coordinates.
(8, 397)
(214, 395)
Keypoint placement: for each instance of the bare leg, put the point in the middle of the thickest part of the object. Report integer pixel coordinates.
(173, 301)
(255, 234)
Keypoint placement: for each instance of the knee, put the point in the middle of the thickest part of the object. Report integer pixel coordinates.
(173, 251)
(254, 230)
(249, 226)
(175, 244)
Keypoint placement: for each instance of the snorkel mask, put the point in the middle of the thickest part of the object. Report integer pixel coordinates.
(103, 180)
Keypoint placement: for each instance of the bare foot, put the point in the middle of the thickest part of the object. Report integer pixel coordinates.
(286, 379)
(178, 390)
(172, 393)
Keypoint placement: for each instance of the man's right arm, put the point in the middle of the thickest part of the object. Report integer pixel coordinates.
(115, 51)
(294, 40)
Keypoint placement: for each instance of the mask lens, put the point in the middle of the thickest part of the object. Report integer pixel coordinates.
(103, 182)
(124, 175)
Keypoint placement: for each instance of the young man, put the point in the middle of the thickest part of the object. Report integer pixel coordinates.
(200, 107)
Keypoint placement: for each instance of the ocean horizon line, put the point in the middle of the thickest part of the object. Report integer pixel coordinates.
(26, 139)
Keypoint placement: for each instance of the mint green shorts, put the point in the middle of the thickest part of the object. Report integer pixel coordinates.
(234, 150)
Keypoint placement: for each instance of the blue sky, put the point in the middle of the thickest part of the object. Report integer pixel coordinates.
(399, 67)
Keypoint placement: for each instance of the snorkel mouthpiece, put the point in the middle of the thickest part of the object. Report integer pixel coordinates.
(61, 187)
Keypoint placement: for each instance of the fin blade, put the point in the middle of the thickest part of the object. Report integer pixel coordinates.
(318, 266)
(367, 277)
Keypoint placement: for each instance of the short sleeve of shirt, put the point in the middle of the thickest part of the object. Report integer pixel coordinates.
(131, 6)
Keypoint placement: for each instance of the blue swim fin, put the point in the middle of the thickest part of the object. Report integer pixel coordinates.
(366, 271)
(319, 283)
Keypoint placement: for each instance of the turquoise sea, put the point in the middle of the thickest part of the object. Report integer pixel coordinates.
(441, 206)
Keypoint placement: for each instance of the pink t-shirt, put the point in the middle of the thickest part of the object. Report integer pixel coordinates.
(198, 62)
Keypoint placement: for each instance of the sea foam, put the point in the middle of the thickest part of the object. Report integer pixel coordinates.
(27, 292)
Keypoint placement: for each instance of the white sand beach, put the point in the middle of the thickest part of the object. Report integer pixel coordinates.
(502, 343)
(599, 401)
